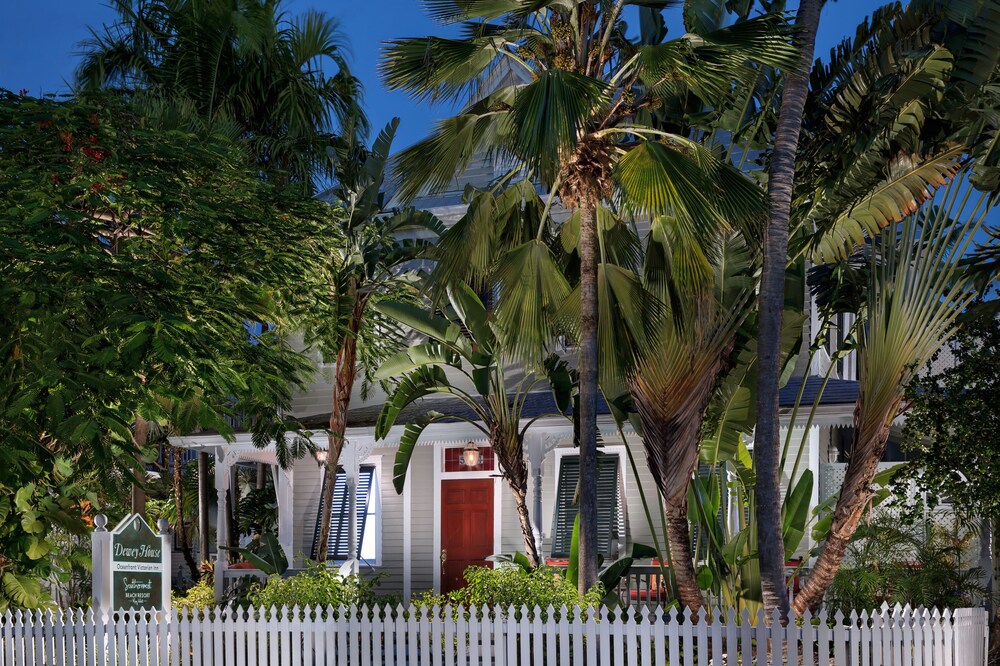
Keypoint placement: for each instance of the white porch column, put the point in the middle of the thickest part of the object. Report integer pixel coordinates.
(352, 468)
(538, 447)
(223, 468)
(353, 454)
(285, 493)
(813, 444)
(407, 544)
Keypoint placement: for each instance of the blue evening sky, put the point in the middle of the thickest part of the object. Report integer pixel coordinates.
(39, 39)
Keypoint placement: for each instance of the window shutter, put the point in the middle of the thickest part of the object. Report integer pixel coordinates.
(340, 524)
(610, 516)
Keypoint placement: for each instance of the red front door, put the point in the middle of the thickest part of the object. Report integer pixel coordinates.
(466, 528)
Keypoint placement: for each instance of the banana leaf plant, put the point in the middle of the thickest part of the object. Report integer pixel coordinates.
(463, 357)
(268, 556)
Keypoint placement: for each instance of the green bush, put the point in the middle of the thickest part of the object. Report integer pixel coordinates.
(319, 586)
(199, 596)
(515, 586)
(891, 563)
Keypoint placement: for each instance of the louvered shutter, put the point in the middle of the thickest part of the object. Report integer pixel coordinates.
(610, 517)
(340, 524)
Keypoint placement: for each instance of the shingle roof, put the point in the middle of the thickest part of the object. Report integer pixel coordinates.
(538, 403)
(837, 392)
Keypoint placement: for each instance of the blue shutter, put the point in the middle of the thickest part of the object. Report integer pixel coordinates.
(339, 542)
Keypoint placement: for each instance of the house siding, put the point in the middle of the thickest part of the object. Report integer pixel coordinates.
(424, 559)
(423, 554)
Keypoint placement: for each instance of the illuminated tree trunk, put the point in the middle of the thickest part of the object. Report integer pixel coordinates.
(343, 385)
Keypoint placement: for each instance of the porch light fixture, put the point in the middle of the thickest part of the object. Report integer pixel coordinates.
(320, 455)
(471, 455)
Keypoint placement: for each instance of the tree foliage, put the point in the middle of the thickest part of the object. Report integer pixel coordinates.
(131, 262)
(953, 420)
(244, 68)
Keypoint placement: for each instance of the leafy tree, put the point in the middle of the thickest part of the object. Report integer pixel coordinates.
(558, 89)
(130, 261)
(372, 261)
(243, 68)
(951, 426)
(952, 422)
(474, 346)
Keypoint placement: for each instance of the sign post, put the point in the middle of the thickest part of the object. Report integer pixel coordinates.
(131, 565)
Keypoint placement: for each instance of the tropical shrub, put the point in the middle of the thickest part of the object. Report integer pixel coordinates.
(199, 596)
(511, 585)
(891, 563)
(319, 586)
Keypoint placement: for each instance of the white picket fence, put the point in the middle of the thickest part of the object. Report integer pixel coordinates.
(430, 637)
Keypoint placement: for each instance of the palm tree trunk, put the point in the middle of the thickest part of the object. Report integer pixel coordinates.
(527, 533)
(138, 493)
(767, 439)
(671, 427)
(342, 387)
(588, 398)
(681, 558)
(509, 453)
(870, 437)
(182, 536)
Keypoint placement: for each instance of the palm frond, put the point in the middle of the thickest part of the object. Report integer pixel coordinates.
(910, 181)
(532, 289)
(549, 115)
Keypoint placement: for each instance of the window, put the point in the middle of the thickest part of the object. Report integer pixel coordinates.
(610, 514)
(843, 440)
(368, 517)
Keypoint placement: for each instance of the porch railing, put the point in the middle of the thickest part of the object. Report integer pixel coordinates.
(644, 585)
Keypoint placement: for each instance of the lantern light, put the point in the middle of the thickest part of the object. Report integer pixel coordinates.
(471, 455)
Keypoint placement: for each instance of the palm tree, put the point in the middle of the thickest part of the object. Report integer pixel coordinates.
(473, 347)
(888, 120)
(673, 383)
(558, 89)
(370, 263)
(767, 440)
(916, 289)
(240, 67)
